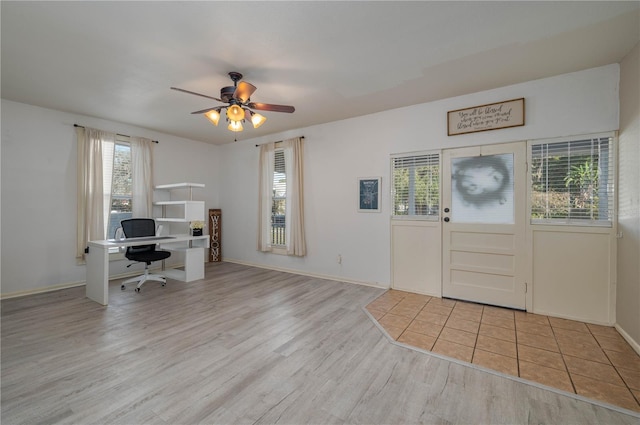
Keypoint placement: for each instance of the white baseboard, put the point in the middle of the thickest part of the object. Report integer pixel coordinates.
(42, 290)
(570, 317)
(627, 337)
(303, 273)
(68, 285)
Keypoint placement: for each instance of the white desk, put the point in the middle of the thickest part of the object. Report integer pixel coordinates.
(98, 260)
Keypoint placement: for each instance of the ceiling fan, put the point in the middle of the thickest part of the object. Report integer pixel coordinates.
(239, 108)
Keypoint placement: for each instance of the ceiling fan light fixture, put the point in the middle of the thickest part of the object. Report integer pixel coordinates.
(257, 120)
(235, 113)
(235, 126)
(238, 105)
(213, 116)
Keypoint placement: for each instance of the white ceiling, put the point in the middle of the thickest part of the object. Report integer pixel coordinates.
(331, 60)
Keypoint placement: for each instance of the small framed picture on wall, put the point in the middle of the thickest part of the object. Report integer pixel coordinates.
(369, 194)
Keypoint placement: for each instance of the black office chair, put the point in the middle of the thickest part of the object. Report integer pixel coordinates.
(138, 228)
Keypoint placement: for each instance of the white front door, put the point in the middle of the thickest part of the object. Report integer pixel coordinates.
(483, 233)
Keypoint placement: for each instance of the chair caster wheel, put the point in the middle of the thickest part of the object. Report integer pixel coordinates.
(164, 284)
(137, 289)
(122, 287)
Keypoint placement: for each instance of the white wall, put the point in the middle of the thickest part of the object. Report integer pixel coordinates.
(628, 294)
(339, 152)
(38, 176)
(39, 190)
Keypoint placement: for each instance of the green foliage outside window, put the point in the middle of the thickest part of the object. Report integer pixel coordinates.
(569, 180)
(416, 188)
(582, 182)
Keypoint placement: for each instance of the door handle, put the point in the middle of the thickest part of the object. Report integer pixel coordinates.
(446, 219)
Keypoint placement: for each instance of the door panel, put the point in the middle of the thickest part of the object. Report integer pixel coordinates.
(483, 232)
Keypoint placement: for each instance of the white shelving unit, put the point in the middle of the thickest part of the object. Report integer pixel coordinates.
(184, 211)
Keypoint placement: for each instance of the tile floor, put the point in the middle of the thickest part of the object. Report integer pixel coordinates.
(590, 360)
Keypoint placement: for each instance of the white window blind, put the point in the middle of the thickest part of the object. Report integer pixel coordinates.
(278, 209)
(416, 186)
(572, 181)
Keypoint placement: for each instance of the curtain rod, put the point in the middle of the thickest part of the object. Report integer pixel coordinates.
(117, 134)
(280, 141)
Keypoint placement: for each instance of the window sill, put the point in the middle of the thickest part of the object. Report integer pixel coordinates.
(416, 217)
(571, 223)
(279, 250)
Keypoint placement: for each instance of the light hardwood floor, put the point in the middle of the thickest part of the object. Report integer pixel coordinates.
(245, 345)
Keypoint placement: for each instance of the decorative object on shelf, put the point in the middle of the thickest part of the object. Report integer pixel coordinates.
(239, 106)
(492, 116)
(215, 235)
(369, 194)
(196, 227)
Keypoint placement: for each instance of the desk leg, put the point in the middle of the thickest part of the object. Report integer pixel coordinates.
(194, 264)
(98, 275)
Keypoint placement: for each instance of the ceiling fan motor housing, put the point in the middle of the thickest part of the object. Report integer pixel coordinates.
(226, 93)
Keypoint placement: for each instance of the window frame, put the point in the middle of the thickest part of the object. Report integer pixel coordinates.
(415, 217)
(611, 183)
(119, 142)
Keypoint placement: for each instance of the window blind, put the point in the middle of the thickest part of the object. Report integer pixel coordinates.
(416, 186)
(572, 181)
(278, 210)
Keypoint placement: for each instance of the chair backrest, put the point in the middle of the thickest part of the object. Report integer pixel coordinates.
(138, 228)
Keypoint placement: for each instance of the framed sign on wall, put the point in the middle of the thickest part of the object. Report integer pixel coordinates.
(492, 116)
(369, 194)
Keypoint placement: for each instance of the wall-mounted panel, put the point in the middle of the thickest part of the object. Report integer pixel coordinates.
(572, 273)
(416, 257)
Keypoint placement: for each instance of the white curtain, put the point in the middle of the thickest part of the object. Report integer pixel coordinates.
(294, 168)
(91, 186)
(265, 195)
(293, 150)
(141, 177)
(108, 154)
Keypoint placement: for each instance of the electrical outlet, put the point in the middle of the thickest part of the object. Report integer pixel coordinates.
(619, 235)
(339, 259)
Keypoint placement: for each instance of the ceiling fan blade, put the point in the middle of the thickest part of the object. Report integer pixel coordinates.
(205, 110)
(194, 93)
(244, 91)
(270, 107)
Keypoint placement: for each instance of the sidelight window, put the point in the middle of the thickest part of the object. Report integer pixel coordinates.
(572, 181)
(416, 186)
